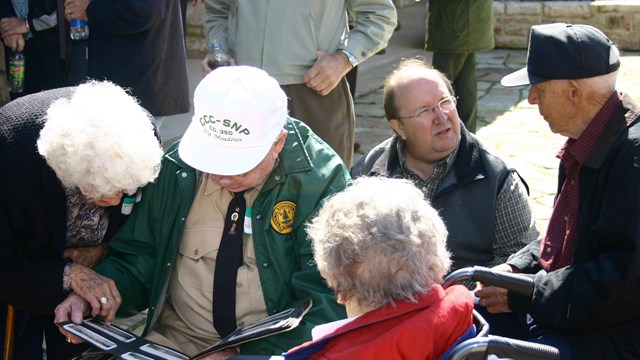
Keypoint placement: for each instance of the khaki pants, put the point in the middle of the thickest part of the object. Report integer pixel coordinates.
(331, 117)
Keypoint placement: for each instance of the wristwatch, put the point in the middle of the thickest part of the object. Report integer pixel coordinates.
(352, 59)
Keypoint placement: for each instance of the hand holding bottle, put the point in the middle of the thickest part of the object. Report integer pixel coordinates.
(76, 14)
(76, 9)
(14, 42)
(217, 57)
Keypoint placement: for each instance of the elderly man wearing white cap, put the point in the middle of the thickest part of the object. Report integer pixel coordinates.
(585, 294)
(219, 240)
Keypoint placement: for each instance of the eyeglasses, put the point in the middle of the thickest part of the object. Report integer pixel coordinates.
(445, 105)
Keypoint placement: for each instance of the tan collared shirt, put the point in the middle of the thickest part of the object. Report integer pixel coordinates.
(188, 321)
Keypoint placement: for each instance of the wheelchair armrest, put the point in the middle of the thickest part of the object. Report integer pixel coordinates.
(520, 283)
(504, 348)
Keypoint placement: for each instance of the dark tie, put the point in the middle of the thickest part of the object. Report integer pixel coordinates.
(228, 260)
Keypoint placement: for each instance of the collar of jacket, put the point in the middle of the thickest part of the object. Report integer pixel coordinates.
(468, 165)
(622, 118)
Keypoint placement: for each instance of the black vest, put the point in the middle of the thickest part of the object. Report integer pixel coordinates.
(465, 198)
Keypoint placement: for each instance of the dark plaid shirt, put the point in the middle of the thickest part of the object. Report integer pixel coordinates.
(558, 245)
(513, 212)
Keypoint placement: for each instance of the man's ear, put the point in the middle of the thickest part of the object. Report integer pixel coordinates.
(575, 90)
(279, 144)
(398, 127)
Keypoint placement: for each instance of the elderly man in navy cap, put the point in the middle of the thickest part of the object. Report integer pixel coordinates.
(585, 296)
(219, 240)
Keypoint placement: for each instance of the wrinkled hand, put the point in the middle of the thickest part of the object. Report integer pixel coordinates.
(76, 9)
(12, 26)
(92, 286)
(14, 42)
(327, 72)
(222, 354)
(73, 308)
(87, 256)
(495, 299)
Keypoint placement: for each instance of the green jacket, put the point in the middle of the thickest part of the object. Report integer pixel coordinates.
(460, 26)
(143, 252)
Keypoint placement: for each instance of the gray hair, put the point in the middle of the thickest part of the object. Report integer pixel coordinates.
(379, 241)
(101, 141)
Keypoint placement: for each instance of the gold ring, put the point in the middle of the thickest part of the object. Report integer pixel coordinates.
(104, 300)
(68, 339)
(69, 12)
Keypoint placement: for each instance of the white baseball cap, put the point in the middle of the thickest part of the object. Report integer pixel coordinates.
(239, 112)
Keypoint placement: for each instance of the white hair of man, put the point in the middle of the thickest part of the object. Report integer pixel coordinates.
(602, 85)
(378, 241)
(101, 141)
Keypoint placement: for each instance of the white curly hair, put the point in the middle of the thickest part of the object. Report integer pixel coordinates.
(101, 141)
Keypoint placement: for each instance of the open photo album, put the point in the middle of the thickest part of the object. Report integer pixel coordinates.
(112, 342)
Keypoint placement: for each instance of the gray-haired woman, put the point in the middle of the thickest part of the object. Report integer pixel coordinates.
(381, 248)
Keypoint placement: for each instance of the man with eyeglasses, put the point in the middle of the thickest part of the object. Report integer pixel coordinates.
(483, 201)
(245, 174)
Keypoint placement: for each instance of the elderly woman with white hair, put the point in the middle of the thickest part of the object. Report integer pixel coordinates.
(381, 248)
(72, 162)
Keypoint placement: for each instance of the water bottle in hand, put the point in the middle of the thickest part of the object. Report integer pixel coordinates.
(16, 72)
(218, 56)
(79, 29)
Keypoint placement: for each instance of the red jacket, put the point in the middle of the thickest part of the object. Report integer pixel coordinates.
(422, 330)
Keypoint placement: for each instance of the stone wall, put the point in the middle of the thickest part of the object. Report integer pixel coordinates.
(619, 20)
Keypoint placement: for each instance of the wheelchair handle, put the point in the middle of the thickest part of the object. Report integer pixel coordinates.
(520, 283)
(505, 348)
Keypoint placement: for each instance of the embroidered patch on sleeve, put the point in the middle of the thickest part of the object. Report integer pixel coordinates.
(282, 217)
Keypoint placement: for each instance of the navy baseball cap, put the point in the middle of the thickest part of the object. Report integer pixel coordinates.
(565, 51)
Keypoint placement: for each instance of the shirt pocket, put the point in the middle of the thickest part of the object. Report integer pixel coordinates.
(198, 251)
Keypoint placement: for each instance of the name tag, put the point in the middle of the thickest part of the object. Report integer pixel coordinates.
(247, 221)
(127, 205)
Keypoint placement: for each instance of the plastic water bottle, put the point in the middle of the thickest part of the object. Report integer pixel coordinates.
(16, 72)
(217, 56)
(79, 29)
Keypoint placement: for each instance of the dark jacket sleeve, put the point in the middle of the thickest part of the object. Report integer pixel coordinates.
(32, 209)
(360, 168)
(378, 158)
(31, 245)
(527, 258)
(600, 288)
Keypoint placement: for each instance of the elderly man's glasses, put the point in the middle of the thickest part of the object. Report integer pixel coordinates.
(445, 105)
